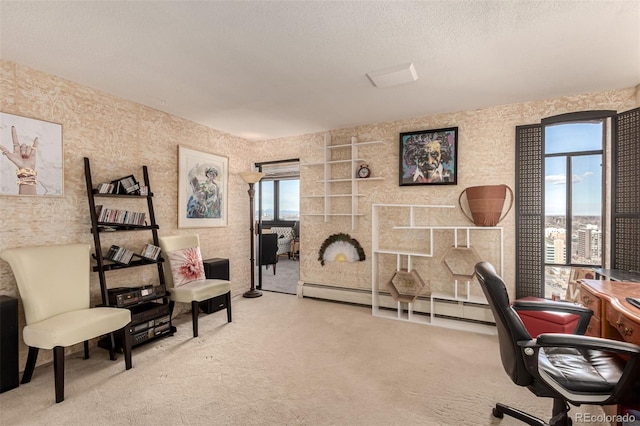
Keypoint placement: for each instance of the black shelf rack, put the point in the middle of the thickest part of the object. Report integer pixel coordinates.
(111, 227)
(151, 318)
(109, 265)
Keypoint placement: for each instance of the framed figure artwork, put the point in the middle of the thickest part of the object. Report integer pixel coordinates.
(429, 157)
(202, 189)
(32, 157)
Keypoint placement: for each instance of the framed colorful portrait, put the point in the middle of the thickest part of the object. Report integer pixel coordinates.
(429, 157)
(202, 189)
(32, 157)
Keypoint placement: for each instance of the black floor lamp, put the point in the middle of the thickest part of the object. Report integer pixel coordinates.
(251, 178)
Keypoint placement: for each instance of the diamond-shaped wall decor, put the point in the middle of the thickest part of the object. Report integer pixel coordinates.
(405, 286)
(460, 262)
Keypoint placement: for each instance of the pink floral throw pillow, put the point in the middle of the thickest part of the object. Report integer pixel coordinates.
(186, 265)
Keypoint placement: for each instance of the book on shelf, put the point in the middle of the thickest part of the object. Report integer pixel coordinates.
(126, 185)
(119, 254)
(151, 252)
(105, 188)
(118, 216)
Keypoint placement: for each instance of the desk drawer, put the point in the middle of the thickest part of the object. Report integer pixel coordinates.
(590, 300)
(629, 330)
(593, 329)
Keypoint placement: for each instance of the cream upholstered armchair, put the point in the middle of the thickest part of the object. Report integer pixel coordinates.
(285, 235)
(53, 282)
(184, 275)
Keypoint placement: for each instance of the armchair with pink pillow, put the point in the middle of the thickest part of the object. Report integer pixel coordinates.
(185, 277)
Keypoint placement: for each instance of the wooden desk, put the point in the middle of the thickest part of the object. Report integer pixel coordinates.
(617, 319)
(613, 317)
(616, 275)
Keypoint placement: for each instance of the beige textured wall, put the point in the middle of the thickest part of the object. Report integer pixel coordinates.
(486, 156)
(119, 136)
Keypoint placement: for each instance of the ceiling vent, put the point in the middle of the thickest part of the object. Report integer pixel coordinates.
(393, 76)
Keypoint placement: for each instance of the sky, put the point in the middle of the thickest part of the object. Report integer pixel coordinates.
(289, 195)
(586, 170)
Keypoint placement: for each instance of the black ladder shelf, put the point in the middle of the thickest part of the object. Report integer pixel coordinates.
(150, 308)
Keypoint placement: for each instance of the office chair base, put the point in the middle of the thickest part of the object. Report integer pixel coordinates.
(560, 415)
(500, 410)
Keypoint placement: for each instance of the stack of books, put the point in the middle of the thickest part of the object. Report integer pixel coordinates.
(105, 188)
(124, 217)
(151, 252)
(127, 185)
(119, 255)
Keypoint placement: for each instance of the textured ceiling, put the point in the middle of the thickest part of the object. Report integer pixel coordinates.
(267, 69)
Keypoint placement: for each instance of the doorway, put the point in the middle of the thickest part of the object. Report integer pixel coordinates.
(278, 213)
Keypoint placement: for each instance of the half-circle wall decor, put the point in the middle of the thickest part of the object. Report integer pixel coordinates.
(340, 248)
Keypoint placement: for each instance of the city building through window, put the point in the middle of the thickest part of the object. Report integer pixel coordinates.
(577, 197)
(573, 200)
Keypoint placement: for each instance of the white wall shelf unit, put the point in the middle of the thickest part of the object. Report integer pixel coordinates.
(344, 157)
(458, 302)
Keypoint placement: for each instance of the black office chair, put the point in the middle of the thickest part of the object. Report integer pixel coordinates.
(566, 367)
(269, 250)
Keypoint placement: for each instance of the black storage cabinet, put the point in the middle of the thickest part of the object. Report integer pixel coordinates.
(8, 343)
(216, 268)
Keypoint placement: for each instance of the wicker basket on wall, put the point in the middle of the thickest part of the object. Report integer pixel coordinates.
(486, 203)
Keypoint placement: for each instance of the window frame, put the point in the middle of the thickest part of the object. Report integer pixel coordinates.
(530, 260)
(569, 156)
(277, 221)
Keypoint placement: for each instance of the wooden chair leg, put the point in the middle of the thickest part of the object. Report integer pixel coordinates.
(274, 268)
(126, 347)
(31, 364)
(86, 349)
(112, 347)
(195, 308)
(227, 298)
(58, 372)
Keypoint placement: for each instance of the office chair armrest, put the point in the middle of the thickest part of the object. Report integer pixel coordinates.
(584, 314)
(586, 342)
(544, 305)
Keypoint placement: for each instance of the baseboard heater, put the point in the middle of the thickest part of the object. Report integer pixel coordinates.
(458, 310)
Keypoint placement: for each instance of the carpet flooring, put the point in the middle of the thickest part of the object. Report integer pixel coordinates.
(284, 361)
(286, 278)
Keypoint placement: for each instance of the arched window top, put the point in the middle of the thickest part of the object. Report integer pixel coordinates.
(568, 137)
(575, 132)
(595, 115)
